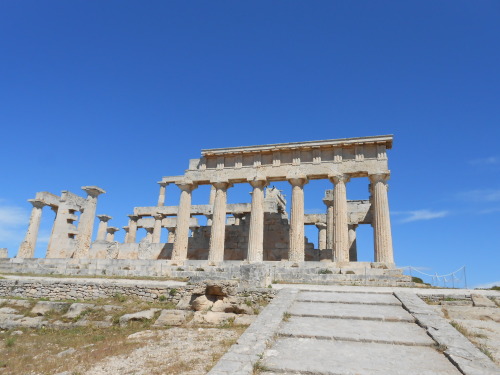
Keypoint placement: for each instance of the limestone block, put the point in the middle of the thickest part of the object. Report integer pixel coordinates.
(7, 310)
(221, 288)
(202, 303)
(482, 301)
(213, 318)
(76, 309)
(43, 307)
(3, 253)
(171, 318)
(141, 315)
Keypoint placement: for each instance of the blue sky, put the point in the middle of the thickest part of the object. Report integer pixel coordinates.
(120, 93)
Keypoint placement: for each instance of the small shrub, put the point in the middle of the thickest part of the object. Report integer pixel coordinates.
(286, 316)
(325, 271)
(162, 298)
(9, 342)
(248, 302)
(417, 280)
(172, 292)
(119, 297)
(200, 269)
(180, 269)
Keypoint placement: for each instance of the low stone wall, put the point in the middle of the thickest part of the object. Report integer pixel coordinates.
(94, 289)
(249, 275)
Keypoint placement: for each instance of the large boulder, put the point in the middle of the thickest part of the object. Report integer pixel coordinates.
(213, 318)
(202, 303)
(171, 318)
(141, 315)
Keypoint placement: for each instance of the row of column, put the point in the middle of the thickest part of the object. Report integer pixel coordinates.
(341, 238)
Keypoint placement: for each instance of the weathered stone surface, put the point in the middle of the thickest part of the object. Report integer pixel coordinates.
(7, 310)
(202, 303)
(141, 315)
(77, 308)
(213, 318)
(360, 298)
(171, 318)
(308, 356)
(43, 307)
(482, 301)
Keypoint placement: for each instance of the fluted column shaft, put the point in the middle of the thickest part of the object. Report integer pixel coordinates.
(126, 229)
(329, 226)
(381, 219)
(27, 247)
(103, 227)
(161, 196)
(353, 248)
(218, 233)
(321, 236)
(340, 230)
(132, 229)
(296, 252)
(171, 235)
(86, 222)
(211, 201)
(182, 228)
(256, 232)
(157, 229)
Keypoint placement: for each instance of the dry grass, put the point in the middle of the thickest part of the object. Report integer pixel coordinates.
(59, 276)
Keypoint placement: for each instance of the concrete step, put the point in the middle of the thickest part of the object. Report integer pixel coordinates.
(357, 298)
(312, 356)
(351, 311)
(356, 330)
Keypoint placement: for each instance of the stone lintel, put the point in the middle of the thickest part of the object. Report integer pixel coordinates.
(93, 191)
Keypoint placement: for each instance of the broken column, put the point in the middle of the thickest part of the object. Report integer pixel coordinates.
(161, 196)
(27, 248)
(132, 228)
(103, 227)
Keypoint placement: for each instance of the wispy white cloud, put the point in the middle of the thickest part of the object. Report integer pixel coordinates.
(492, 160)
(480, 195)
(419, 215)
(12, 221)
(487, 285)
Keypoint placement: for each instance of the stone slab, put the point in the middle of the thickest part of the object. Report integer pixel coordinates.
(351, 311)
(311, 356)
(359, 298)
(356, 330)
(482, 301)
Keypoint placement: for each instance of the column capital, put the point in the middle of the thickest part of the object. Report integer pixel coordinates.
(342, 177)
(258, 182)
(186, 185)
(104, 218)
(163, 183)
(222, 185)
(37, 203)
(158, 216)
(297, 181)
(379, 177)
(112, 229)
(320, 225)
(126, 228)
(93, 191)
(171, 229)
(134, 217)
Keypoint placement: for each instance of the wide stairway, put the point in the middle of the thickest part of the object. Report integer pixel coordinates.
(352, 333)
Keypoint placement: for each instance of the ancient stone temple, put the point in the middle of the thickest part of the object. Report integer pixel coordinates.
(260, 232)
(256, 232)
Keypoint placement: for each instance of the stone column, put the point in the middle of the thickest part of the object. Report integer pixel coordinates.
(340, 230)
(238, 218)
(86, 223)
(103, 227)
(161, 196)
(157, 229)
(353, 249)
(218, 234)
(296, 252)
(179, 252)
(256, 233)
(126, 229)
(321, 236)
(329, 219)
(381, 219)
(110, 236)
(27, 247)
(149, 235)
(211, 201)
(132, 228)
(171, 235)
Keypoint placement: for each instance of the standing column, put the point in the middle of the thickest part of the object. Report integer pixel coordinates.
(103, 227)
(126, 229)
(381, 220)
(328, 200)
(86, 223)
(353, 248)
(171, 235)
(211, 201)
(217, 236)
(161, 196)
(149, 235)
(256, 234)
(110, 236)
(132, 228)
(340, 230)
(27, 248)
(296, 252)
(179, 252)
(321, 236)
(157, 228)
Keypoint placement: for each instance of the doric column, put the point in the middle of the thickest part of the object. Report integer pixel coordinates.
(126, 229)
(103, 227)
(149, 235)
(218, 233)
(132, 228)
(340, 230)
(321, 236)
(211, 201)
(353, 249)
(86, 222)
(110, 235)
(238, 218)
(157, 228)
(296, 251)
(171, 235)
(179, 252)
(328, 200)
(27, 248)
(381, 219)
(256, 233)
(161, 196)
